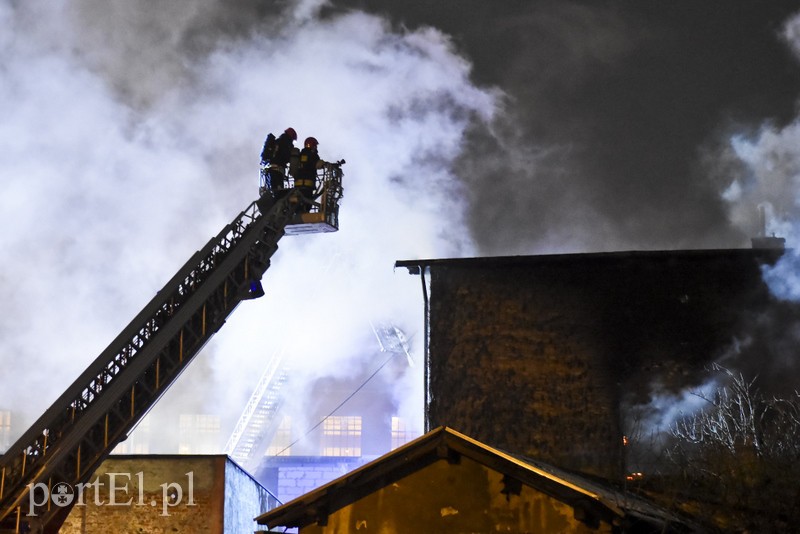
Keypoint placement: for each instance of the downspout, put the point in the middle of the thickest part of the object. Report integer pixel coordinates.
(426, 340)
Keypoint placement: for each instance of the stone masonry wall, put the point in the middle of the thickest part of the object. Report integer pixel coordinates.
(535, 355)
(170, 493)
(508, 368)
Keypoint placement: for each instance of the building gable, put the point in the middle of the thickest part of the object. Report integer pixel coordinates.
(445, 481)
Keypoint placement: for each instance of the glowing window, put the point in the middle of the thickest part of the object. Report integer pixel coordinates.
(281, 444)
(341, 436)
(5, 430)
(400, 432)
(138, 441)
(199, 434)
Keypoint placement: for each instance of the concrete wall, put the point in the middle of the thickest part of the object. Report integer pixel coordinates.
(538, 355)
(244, 500)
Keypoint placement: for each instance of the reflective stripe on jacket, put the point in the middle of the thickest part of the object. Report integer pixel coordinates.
(299, 182)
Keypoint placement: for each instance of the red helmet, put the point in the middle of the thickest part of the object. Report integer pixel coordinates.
(310, 141)
(291, 133)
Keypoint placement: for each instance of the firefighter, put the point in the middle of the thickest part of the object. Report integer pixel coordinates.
(306, 177)
(275, 157)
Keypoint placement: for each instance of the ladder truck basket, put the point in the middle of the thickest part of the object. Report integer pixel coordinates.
(323, 213)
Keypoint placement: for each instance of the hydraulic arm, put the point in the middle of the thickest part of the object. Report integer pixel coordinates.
(82, 427)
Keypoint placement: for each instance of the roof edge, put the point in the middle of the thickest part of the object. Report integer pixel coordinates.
(438, 444)
(417, 265)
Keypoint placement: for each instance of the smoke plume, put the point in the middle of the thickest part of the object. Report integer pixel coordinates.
(131, 135)
(606, 110)
(755, 167)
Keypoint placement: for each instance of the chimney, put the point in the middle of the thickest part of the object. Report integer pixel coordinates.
(764, 241)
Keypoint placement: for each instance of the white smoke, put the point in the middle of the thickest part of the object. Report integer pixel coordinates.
(769, 183)
(758, 175)
(766, 174)
(791, 34)
(772, 184)
(131, 135)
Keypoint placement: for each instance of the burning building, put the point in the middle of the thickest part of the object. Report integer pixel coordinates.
(546, 356)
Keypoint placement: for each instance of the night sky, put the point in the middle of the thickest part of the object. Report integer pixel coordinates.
(616, 116)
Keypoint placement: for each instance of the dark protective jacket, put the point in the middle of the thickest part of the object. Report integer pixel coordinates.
(307, 168)
(283, 151)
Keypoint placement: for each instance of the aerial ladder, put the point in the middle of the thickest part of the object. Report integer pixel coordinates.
(251, 436)
(72, 438)
(256, 427)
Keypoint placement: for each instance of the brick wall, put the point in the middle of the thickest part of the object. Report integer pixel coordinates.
(534, 355)
(508, 368)
(157, 494)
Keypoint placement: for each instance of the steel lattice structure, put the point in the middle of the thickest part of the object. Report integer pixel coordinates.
(102, 406)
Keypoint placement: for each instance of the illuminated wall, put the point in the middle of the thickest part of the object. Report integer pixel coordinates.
(169, 493)
(455, 498)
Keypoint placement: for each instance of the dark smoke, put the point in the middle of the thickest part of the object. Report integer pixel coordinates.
(609, 108)
(131, 130)
(636, 125)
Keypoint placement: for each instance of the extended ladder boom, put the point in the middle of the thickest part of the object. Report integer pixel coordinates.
(101, 407)
(250, 438)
